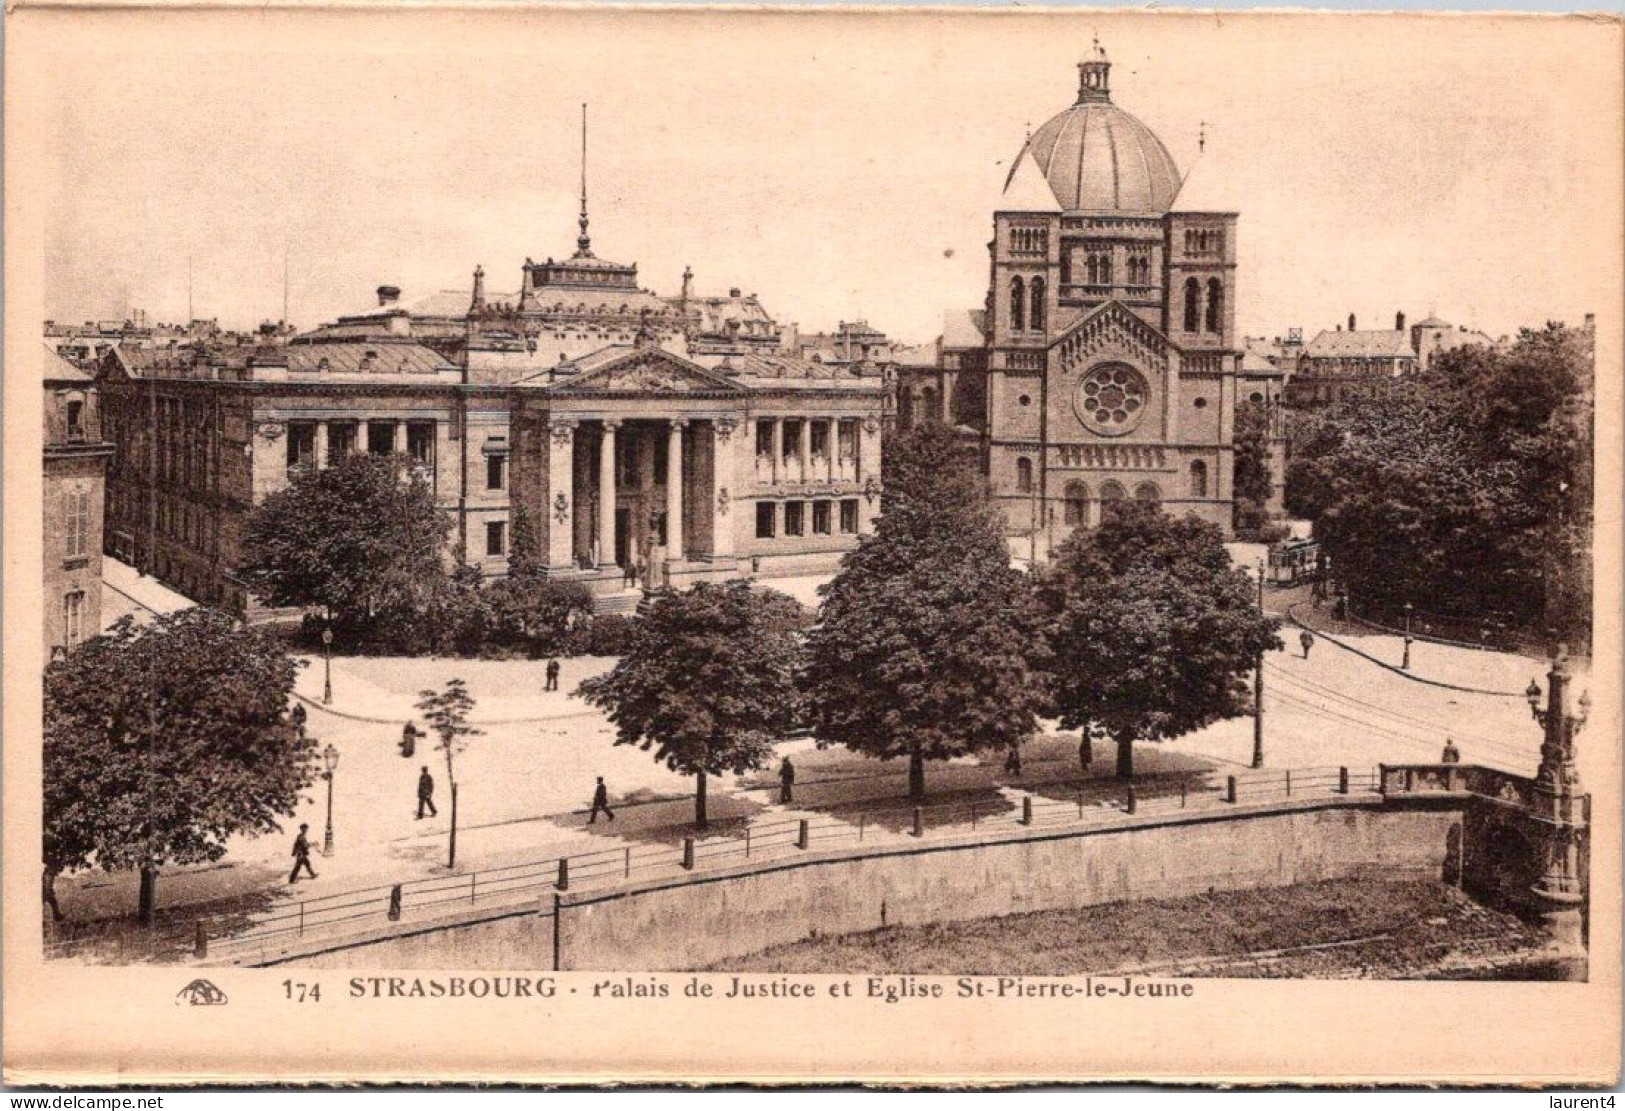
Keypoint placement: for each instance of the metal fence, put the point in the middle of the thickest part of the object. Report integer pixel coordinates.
(1050, 806)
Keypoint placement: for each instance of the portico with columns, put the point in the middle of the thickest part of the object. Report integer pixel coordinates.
(641, 468)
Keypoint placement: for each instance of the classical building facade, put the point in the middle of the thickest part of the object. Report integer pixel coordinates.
(1356, 362)
(1110, 358)
(576, 405)
(75, 468)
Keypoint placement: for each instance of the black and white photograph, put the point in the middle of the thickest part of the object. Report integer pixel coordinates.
(966, 507)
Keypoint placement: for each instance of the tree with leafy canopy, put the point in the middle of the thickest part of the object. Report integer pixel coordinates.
(164, 740)
(354, 538)
(1152, 632)
(445, 713)
(927, 638)
(709, 681)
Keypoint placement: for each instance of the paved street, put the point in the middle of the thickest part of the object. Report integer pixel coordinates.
(526, 782)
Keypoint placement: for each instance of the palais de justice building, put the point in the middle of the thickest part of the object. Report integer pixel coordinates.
(668, 434)
(1104, 362)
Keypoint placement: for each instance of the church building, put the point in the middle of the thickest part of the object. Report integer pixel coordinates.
(1109, 346)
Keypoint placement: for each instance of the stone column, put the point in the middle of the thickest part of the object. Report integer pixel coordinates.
(722, 483)
(778, 450)
(674, 492)
(606, 495)
(321, 445)
(400, 438)
(832, 448)
(804, 449)
(559, 512)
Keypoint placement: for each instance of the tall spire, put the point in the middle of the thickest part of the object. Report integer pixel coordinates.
(583, 241)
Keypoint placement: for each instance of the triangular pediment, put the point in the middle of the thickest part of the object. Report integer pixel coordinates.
(1111, 329)
(647, 371)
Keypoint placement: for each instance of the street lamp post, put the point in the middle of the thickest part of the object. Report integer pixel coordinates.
(1405, 664)
(1258, 685)
(1558, 802)
(327, 654)
(330, 757)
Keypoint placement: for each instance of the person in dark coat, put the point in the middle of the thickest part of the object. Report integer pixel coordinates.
(787, 780)
(1307, 639)
(600, 801)
(1451, 754)
(298, 716)
(409, 740)
(426, 794)
(301, 855)
(1086, 751)
(552, 675)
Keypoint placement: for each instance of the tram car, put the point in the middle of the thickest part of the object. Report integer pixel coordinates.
(1295, 561)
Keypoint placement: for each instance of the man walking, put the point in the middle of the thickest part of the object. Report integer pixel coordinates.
(1307, 640)
(1451, 754)
(600, 801)
(787, 780)
(301, 855)
(552, 675)
(426, 794)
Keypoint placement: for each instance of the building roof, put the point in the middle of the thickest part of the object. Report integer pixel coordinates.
(58, 369)
(790, 372)
(915, 354)
(1373, 344)
(351, 362)
(1096, 157)
(1206, 187)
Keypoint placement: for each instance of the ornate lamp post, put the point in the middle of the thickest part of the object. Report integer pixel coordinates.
(1557, 803)
(330, 757)
(1406, 662)
(327, 654)
(1258, 685)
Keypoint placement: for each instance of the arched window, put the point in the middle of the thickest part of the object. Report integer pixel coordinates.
(1075, 505)
(1024, 476)
(1106, 269)
(1215, 304)
(1018, 305)
(1036, 317)
(1112, 495)
(1193, 303)
(1066, 268)
(1092, 269)
(1198, 479)
(1147, 492)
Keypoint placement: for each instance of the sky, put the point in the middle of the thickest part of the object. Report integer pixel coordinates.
(839, 165)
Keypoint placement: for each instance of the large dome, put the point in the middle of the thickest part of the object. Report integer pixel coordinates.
(1098, 158)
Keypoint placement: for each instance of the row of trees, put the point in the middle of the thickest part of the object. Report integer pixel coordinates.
(930, 645)
(363, 542)
(1467, 491)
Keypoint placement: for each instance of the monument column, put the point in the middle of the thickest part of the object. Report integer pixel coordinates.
(559, 508)
(321, 445)
(606, 494)
(674, 492)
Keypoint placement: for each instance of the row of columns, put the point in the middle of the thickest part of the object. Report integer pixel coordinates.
(561, 474)
(832, 448)
(359, 447)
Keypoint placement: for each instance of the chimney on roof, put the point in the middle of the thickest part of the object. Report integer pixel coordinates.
(1591, 322)
(477, 304)
(388, 295)
(1399, 322)
(1351, 322)
(733, 293)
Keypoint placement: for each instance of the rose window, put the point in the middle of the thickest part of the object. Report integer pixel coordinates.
(1111, 399)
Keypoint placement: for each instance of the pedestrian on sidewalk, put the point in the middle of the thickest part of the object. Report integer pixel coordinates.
(1012, 762)
(301, 855)
(298, 716)
(1307, 639)
(409, 740)
(1086, 751)
(629, 574)
(787, 780)
(552, 675)
(600, 801)
(426, 794)
(1451, 754)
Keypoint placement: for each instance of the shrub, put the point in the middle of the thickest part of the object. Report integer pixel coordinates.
(609, 634)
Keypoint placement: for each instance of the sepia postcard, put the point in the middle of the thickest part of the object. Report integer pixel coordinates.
(584, 545)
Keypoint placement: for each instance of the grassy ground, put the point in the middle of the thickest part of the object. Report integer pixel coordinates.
(1365, 928)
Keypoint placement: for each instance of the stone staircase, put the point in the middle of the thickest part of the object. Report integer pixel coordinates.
(621, 601)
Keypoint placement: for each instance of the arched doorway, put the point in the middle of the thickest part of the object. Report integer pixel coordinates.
(1112, 496)
(1075, 505)
(1149, 493)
